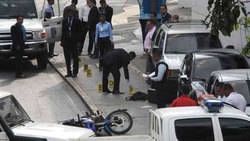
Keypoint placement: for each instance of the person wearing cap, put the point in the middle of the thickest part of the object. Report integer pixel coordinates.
(49, 13)
(69, 8)
(103, 38)
(85, 27)
(70, 38)
(184, 99)
(106, 10)
(93, 20)
(112, 62)
(159, 78)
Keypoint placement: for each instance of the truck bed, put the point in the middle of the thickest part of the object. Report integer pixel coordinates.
(122, 138)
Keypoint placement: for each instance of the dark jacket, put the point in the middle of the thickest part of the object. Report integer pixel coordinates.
(93, 18)
(166, 18)
(116, 59)
(17, 37)
(74, 37)
(108, 12)
(66, 11)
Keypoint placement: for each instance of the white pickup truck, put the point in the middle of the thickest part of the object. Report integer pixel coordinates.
(168, 124)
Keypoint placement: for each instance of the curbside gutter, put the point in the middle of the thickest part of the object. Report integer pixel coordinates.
(81, 93)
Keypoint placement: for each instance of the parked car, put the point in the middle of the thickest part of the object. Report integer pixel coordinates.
(38, 31)
(198, 66)
(178, 39)
(239, 79)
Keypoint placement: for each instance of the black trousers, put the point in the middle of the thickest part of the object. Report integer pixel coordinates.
(85, 31)
(104, 45)
(143, 28)
(71, 52)
(149, 64)
(51, 49)
(116, 75)
(18, 62)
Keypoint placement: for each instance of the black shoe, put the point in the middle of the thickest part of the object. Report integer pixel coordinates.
(74, 75)
(20, 75)
(55, 55)
(118, 92)
(68, 75)
(107, 91)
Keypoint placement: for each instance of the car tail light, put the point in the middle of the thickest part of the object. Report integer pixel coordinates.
(43, 35)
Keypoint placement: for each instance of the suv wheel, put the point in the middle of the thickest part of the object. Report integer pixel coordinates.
(42, 60)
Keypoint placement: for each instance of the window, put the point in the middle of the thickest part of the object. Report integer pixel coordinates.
(235, 129)
(196, 129)
(210, 85)
(162, 40)
(11, 8)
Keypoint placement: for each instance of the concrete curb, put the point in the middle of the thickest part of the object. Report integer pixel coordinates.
(82, 94)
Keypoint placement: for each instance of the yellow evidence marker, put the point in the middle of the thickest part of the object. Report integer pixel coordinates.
(86, 67)
(111, 84)
(131, 90)
(100, 87)
(89, 73)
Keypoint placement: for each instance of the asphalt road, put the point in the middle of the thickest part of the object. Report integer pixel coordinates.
(44, 95)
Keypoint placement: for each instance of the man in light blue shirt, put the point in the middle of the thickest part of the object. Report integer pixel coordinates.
(48, 14)
(103, 37)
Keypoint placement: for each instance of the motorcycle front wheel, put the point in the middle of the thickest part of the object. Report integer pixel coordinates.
(120, 122)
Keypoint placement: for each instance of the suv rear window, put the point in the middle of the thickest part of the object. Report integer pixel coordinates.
(196, 129)
(191, 42)
(12, 8)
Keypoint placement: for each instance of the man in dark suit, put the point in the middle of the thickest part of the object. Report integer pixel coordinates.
(70, 8)
(106, 10)
(93, 20)
(18, 35)
(165, 16)
(71, 30)
(112, 62)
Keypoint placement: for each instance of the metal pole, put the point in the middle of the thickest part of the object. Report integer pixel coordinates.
(59, 9)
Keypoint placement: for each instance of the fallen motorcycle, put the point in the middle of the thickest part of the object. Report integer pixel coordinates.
(117, 122)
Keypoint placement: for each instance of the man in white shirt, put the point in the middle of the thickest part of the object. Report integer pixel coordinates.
(85, 27)
(234, 98)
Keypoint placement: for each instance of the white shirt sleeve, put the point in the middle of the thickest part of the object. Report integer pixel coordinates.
(161, 71)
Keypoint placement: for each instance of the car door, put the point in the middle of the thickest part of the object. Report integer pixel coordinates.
(234, 129)
(53, 26)
(193, 129)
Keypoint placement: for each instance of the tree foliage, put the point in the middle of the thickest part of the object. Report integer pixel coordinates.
(223, 15)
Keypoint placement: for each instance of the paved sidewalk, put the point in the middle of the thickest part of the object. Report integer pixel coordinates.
(108, 102)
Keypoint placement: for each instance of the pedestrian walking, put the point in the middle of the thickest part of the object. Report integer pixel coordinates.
(70, 39)
(112, 62)
(234, 98)
(106, 10)
(103, 38)
(184, 99)
(70, 8)
(165, 16)
(48, 14)
(85, 27)
(159, 79)
(18, 35)
(147, 45)
(93, 20)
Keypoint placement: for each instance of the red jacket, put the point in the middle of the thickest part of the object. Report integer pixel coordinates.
(183, 101)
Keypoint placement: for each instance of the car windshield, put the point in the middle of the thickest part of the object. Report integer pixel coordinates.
(191, 42)
(12, 112)
(205, 65)
(242, 87)
(12, 8)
